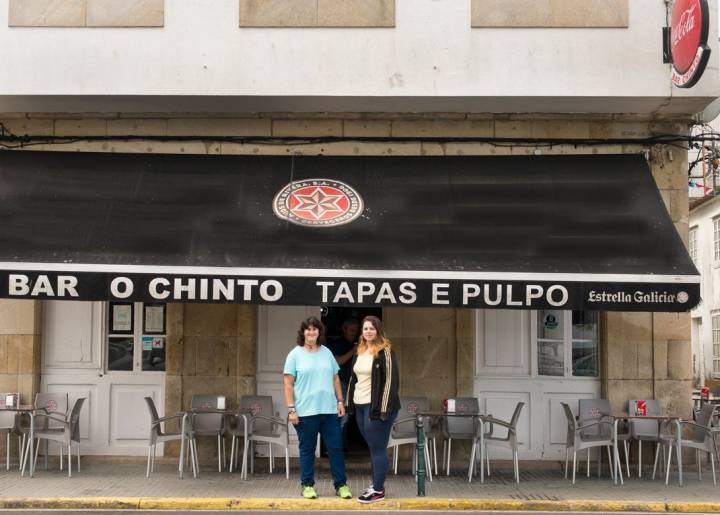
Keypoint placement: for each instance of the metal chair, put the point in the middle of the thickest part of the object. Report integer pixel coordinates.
(459, 428)
(593, 409)
(209, 424)
(265, 427)
(49, 403)
(644, 430)
(10, 424)
(699, 437)
(579, 438)
(404, 431)
(157, 435)
(237, 426)
(60, 430)
(509, 440)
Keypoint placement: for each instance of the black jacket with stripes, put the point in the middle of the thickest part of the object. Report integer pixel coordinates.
(384, 386)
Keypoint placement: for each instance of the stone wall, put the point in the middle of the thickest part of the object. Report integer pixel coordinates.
(211, 350)
(425, 343)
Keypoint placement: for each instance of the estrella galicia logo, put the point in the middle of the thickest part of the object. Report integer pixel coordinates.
(318, 203)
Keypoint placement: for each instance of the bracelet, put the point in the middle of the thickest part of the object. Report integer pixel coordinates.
(340, 401)
(291, 411)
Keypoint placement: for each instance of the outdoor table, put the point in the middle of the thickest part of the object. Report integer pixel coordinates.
(659, 418)
(30, 410)
(189, 413)
(421, 470)
(698, 400)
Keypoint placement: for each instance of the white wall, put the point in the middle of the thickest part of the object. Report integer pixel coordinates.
(702, 218)
(431, 53)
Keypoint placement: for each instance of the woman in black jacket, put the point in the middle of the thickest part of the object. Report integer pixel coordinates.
(373, 396)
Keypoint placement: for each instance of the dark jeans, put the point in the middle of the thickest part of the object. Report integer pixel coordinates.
(328, 426)
(376, 434)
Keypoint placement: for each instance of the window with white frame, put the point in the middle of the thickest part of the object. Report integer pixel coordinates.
(136, 337)
(716, 341)
(716, 238)
(567, 343)
(693, 245)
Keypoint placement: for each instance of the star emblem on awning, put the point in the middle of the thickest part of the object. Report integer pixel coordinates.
(318, 203)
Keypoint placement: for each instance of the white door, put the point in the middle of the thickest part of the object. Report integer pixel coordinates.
(539, 358)
(114, 371)
(277, 335)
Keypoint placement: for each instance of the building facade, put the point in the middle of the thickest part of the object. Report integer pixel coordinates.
(354, 78)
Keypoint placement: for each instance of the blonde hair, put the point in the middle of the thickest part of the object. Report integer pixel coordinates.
(381, 341)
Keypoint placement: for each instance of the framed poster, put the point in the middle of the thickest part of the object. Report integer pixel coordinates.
(121, 318)
(154, 319)
(153, 343)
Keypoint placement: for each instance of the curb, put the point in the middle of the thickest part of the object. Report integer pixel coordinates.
(229, 503)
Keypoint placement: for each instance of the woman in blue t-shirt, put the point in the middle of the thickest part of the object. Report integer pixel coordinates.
(315, 405)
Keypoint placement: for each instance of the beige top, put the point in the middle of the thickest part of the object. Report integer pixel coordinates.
(363, 371)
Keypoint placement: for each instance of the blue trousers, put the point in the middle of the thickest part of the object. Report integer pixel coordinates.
(376, 434)
(328, 426)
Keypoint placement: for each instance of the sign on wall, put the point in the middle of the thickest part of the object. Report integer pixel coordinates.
(689, 51)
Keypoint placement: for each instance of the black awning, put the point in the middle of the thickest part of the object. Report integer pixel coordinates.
(525, 232)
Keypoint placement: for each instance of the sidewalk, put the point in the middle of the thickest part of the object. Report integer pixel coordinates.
(542, 487)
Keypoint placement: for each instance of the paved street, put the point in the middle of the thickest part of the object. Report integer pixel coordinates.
(539, 482)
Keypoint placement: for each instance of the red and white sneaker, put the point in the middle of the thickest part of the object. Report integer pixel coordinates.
(371, 495)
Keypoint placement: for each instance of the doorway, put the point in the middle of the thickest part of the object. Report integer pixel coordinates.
(333, 318)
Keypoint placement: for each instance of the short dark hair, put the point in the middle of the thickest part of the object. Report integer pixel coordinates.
(311, 322)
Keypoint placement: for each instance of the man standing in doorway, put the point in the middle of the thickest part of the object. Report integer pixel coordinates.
(344, 349)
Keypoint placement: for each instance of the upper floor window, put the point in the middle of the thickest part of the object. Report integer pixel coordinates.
(567, 343)
(716, 341)
(136, 337)
(716, 238)
(693, 244)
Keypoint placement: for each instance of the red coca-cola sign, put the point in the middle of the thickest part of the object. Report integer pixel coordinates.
(688, 41)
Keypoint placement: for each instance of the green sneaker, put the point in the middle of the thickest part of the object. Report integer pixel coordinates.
(308, 492)
(344, 492)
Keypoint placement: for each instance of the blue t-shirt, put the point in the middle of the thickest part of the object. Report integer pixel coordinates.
(314, 374)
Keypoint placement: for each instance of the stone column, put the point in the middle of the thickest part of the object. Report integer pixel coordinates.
(20, 328)
(648, 355)
(174, 358)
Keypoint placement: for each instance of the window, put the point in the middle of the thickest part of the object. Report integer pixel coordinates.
(567, 343)
(693, 244)
(716, 341)
(136, 337)
(716, 239)
(551, 343)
